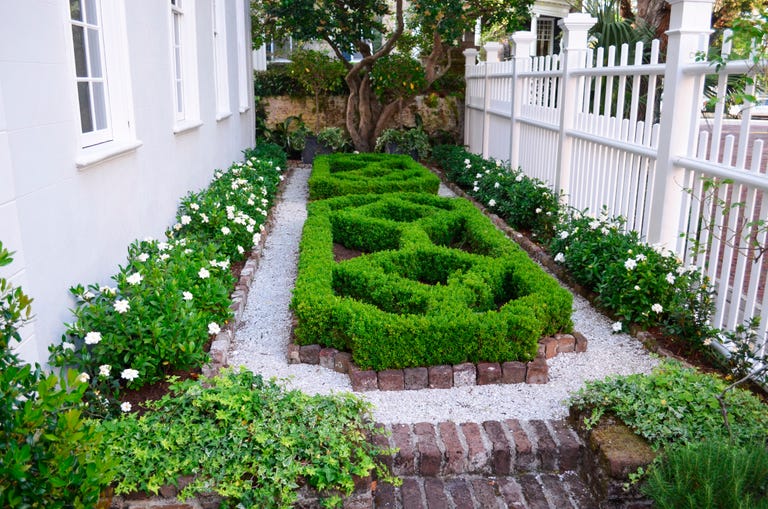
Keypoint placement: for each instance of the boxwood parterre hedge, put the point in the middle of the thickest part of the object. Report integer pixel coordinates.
(344, 174)
(436, 283)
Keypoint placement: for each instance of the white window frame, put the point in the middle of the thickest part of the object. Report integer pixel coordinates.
(220, 68)
(243, 83)
(545, 35)
(184, 74)
(120, 138)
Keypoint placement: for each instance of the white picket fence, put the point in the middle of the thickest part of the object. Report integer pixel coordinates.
(624, 130)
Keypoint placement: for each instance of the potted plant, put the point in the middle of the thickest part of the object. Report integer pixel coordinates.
(327, 141)
(413, 142)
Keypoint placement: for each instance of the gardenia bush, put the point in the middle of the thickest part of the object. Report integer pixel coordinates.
(172, 296)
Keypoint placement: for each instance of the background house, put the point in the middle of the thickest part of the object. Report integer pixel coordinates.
(110, 111)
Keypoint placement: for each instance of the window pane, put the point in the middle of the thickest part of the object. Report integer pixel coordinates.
(91, 13)
(94, 53)
(179, 97)
(86, 124)
(100, 105)
(75, 11)
(77, 38)
(176, 29)
(177, 62)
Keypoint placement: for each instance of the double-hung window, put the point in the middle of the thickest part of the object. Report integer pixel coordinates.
(92, 90)
(102, 80)
(221, 71)
(184, 66)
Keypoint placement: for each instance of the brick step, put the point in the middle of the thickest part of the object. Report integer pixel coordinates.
(529, 491)
(498, 448)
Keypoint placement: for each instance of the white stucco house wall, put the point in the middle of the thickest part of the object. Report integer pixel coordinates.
(110, 111)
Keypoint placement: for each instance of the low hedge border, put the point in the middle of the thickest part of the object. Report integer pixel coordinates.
(434, 333)
(443, 376)
(345, 174)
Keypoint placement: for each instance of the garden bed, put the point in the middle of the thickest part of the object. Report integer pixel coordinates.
(344, 174)
(437, 284)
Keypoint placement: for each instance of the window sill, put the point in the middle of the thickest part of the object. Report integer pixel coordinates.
(222, 115)
(91, 156)
(186, 126)
(244, 109)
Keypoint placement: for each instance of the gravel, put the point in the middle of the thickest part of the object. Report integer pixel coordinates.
(262, 339)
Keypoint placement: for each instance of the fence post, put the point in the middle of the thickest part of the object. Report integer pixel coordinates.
(689, 29)
(470, 61)
(523, 43)
(575, 34)
(491, 57)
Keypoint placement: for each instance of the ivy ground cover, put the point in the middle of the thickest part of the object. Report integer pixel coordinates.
(436, 283)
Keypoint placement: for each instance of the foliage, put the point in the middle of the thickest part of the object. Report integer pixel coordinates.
(171, 297)
(334, 138)
(438, 284)
(289, 134)
(396, 76)
(523, 202)
(342, 174)
(164, 326)
(347, 27)
(413, 142)
(48, 453)
(643, 284)
(675, 404)
(710, 474)
(277, 80)
(317, 72)
(249, 440)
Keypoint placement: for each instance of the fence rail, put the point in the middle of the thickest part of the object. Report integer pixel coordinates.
(625, 129)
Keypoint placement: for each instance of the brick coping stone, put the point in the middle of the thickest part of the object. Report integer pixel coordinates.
(443, 376)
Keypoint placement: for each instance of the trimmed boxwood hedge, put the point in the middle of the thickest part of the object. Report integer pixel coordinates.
(437, 283)
(344, 174)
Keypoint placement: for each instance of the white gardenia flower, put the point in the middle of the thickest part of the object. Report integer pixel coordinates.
(249, 228)
(225, 230)
(203, 273)
(670, 278)
(104, 369)
(163, 246)
(657, 308)
(630, 264)
(143, 257)
(250, 202)
(66, 345)
(121, 306)
(637, 288)
(129, 374)
(604, 231)
(134, 279)
(256, 238)
(83, 377)
(213, 328)
(164, 256)
(125, 407)
(564, 234)
(177, 226)
(204, 217)
(185, 219)
(187, 295)
(88, 295)
(475, 189)
(467, 162)
(519, 178)
(108, 290)
(479, 176)
(641, 257)
(617, 326)
(594, 225)
(194, 206)
(707, 341)
(491, 202)
(560, 258)
(188, 251)
(538, 210)
(240, 249)
(496, 185)
(92, 338)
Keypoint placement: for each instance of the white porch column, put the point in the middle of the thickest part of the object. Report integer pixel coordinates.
(689, 29)
(523, 42)
(575, 33)
(470, 60)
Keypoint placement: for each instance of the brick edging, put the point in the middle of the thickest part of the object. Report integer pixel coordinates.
(442, 376)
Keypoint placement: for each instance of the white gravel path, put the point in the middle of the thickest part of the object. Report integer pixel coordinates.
(261, 344)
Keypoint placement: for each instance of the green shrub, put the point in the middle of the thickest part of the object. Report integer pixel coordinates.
(397, 76)
(342, 174)
(49, 454)
(246, 439)
(524, 203)
(412, 141)
(676, 404)
(174, 295)
(642, 284)
(710, 474)
(438, 284)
